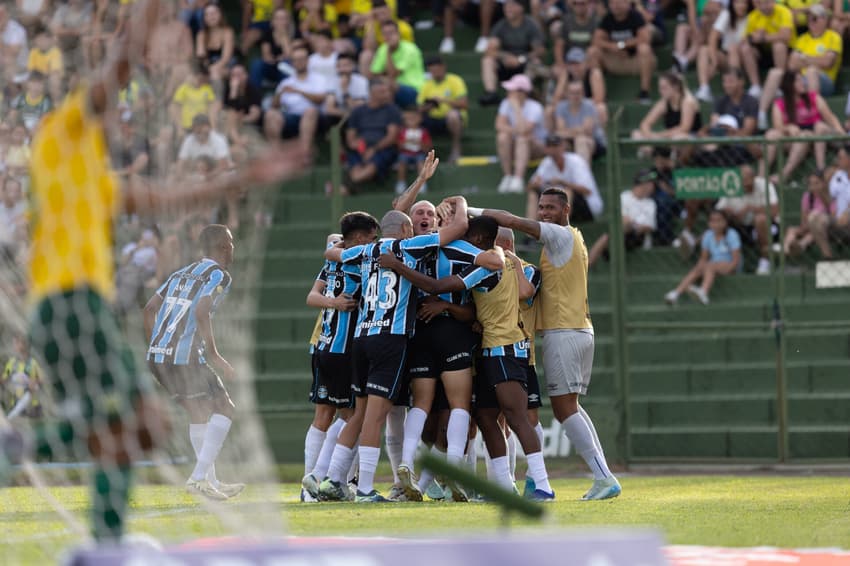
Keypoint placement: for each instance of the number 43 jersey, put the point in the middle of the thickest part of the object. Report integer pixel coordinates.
(175, 338)
(388, 301)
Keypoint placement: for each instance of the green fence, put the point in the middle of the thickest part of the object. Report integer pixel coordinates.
(759, 372)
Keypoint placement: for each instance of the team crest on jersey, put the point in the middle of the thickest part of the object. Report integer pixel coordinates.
(322, 393)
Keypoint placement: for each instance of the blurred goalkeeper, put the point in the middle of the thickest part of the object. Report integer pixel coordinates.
(104, 404)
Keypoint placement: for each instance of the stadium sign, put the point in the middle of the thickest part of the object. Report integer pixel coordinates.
(709, 183)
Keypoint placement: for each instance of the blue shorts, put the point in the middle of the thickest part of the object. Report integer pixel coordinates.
(411, 160)
(382, 160)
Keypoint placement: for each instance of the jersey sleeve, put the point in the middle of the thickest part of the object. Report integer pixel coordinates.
(461, 250)
(418, 246)
(353, 254)
(532, 273)
(218, 283)
(558, 242)
(480, 278)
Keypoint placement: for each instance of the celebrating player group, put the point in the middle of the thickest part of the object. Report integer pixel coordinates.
(429, 330)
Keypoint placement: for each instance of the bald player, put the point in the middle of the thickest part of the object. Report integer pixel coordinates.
(564, 323)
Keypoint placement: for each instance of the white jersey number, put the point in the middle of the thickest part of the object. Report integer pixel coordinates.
(380, 291)
(175, 310)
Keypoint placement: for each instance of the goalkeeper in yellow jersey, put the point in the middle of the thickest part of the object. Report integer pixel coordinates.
(102, 400)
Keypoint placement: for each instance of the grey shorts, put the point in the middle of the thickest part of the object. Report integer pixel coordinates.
(567, 361)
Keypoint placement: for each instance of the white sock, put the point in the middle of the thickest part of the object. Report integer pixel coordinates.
(502, 472)
(217, 429)
(538, 429)
(368, 464)
(537, 472)
(427, 476)
(196, 437)
(488, 463)
(355, 463)
(413, 426)
(579, 434)
(320, 470)
(340, 463)
(394, 439)
(312, 446)
(471, 457)
(511, 440)
(456, 434)
(592, 428)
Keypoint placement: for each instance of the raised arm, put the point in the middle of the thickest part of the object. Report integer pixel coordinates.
(428, 284)
(405, 200)
(459, 222)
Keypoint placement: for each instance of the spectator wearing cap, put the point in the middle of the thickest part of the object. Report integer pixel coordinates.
(770, 32)
(296, 104)
(567, 170)
(721, 255)
(621, 45)
(515, 42)
(638, 213)
(371, 135)
(574, 30)
(576, 120)
(520, 133)
(400, 62)
(202, 142)
(444, 102)
(592, 82)
(734, 115)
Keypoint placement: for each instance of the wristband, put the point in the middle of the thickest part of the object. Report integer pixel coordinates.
(474, 211)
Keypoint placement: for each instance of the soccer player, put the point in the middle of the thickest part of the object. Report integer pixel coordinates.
(564, 322)
(337, 292)
(182, 354)
(502, 371)
(385, 322)
(105, 407)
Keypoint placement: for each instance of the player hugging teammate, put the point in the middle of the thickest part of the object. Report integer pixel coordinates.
(420, 289)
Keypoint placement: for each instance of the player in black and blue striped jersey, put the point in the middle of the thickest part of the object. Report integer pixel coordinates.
(337, 292)
(182, 351)
(501, 377)
(386, 321)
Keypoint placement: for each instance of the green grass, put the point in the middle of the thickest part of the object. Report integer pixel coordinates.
(790, 512)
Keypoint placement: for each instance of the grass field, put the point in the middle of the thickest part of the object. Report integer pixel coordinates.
(789, 512)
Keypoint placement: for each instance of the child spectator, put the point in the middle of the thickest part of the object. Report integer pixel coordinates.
(721, 255)
(638, 213)
(18, 153)
(414, 142)
(32, 104)
(46, 59)
(20, 384)
(195, 96)
(816, 204)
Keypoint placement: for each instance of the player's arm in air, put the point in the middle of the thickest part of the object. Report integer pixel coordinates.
(508, 220)
(435, 307)
(458, 221)
(405, 200)
(526, 289)
(204, 320)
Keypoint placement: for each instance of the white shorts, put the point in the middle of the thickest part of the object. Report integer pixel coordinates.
(567, 361)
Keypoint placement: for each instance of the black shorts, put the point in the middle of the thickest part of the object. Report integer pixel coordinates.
(331, 380)
(379, 365)
(505, 73)
(535, 401)
(494, 370)
(444, 344)
(191, 382)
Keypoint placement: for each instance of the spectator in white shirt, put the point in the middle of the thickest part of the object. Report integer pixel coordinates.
(13, 210)
(826, 228)
(566, 170)
(13, 37)
(638, 212)
(520, 133)
(203, 142)
(296, 103)
(348, 90)
(747, 215)
(323, 60)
